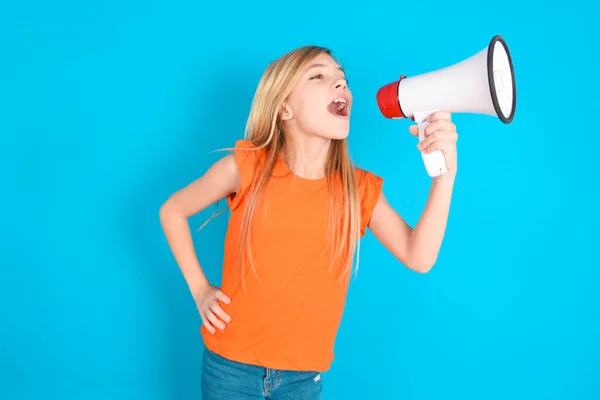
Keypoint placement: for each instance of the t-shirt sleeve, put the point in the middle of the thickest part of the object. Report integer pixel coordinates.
(246, 160)
(370, 188)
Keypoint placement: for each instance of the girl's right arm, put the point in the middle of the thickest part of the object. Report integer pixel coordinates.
(219, 181)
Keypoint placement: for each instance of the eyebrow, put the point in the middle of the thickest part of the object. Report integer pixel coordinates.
(323, 65)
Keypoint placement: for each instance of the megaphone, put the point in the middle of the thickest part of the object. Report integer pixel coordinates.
(481, 84)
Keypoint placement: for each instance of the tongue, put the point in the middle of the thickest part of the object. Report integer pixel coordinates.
(333, 108)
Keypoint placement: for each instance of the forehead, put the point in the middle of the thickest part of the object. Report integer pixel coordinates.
(323, 60)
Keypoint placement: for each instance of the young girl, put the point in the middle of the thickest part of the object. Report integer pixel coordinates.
(298, 209)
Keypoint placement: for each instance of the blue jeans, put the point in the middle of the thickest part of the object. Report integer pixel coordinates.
(223, 379)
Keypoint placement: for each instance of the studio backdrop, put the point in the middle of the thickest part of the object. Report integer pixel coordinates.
(109, 107)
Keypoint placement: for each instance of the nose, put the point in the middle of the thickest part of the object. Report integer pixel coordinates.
(341, 83)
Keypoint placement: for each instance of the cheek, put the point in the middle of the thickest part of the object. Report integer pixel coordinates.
(310, 112)
(315, 105)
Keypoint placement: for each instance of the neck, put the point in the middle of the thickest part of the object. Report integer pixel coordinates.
(307, 156)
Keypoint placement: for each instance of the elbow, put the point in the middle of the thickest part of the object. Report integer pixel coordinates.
(420, 257)
(163, 213)
(166, 211)
(171, 210)
(422, 266)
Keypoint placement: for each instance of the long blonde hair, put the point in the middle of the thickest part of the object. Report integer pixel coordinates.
(266, 130)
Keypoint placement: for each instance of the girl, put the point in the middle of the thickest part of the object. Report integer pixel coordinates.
(298, 209)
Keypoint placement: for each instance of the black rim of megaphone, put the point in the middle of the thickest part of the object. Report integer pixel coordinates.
(490, 64)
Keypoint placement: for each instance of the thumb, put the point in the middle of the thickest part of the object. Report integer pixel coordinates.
(414, 130)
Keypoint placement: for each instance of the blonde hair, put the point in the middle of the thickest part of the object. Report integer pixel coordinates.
(266, 130)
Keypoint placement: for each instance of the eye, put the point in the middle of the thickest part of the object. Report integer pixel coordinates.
(318, 76)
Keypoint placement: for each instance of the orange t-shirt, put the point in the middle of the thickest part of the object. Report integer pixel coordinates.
(288, 317)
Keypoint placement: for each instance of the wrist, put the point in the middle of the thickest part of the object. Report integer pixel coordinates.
(449, 174)
(199, 288)
(452, 171)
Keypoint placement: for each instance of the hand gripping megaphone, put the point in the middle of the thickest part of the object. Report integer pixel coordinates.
(482, 84)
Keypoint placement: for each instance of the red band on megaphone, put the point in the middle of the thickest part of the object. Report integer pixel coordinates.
(387, 100)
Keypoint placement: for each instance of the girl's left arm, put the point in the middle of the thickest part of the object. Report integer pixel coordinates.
(418, 247)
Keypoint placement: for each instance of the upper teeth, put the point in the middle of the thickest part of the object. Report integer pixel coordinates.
(340, 100)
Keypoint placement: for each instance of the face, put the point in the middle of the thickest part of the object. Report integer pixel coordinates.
(320, 103)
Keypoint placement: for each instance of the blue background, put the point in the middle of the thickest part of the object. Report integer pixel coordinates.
(106, 108)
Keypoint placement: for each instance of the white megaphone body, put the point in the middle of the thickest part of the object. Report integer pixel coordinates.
(482, 84)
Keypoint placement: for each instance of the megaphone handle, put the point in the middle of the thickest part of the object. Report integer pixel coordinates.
(435, 162)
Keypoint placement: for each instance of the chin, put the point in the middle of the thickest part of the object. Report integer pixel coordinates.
(339, 135)
(339, 129)
(334, 134)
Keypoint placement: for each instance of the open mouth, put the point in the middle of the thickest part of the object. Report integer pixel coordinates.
(338, 107)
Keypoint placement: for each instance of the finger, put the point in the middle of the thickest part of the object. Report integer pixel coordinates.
(214, 320)
(441, 145)
(432, 147)
(439, 125)
(429, 140)
(440, 115)
(223, 297)
(414, 130)
(220, 313)
(438, 135)
(208, 325)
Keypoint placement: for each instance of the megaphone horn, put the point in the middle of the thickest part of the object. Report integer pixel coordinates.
(482, 84)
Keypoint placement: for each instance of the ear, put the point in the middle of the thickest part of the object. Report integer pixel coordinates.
(286, 112)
